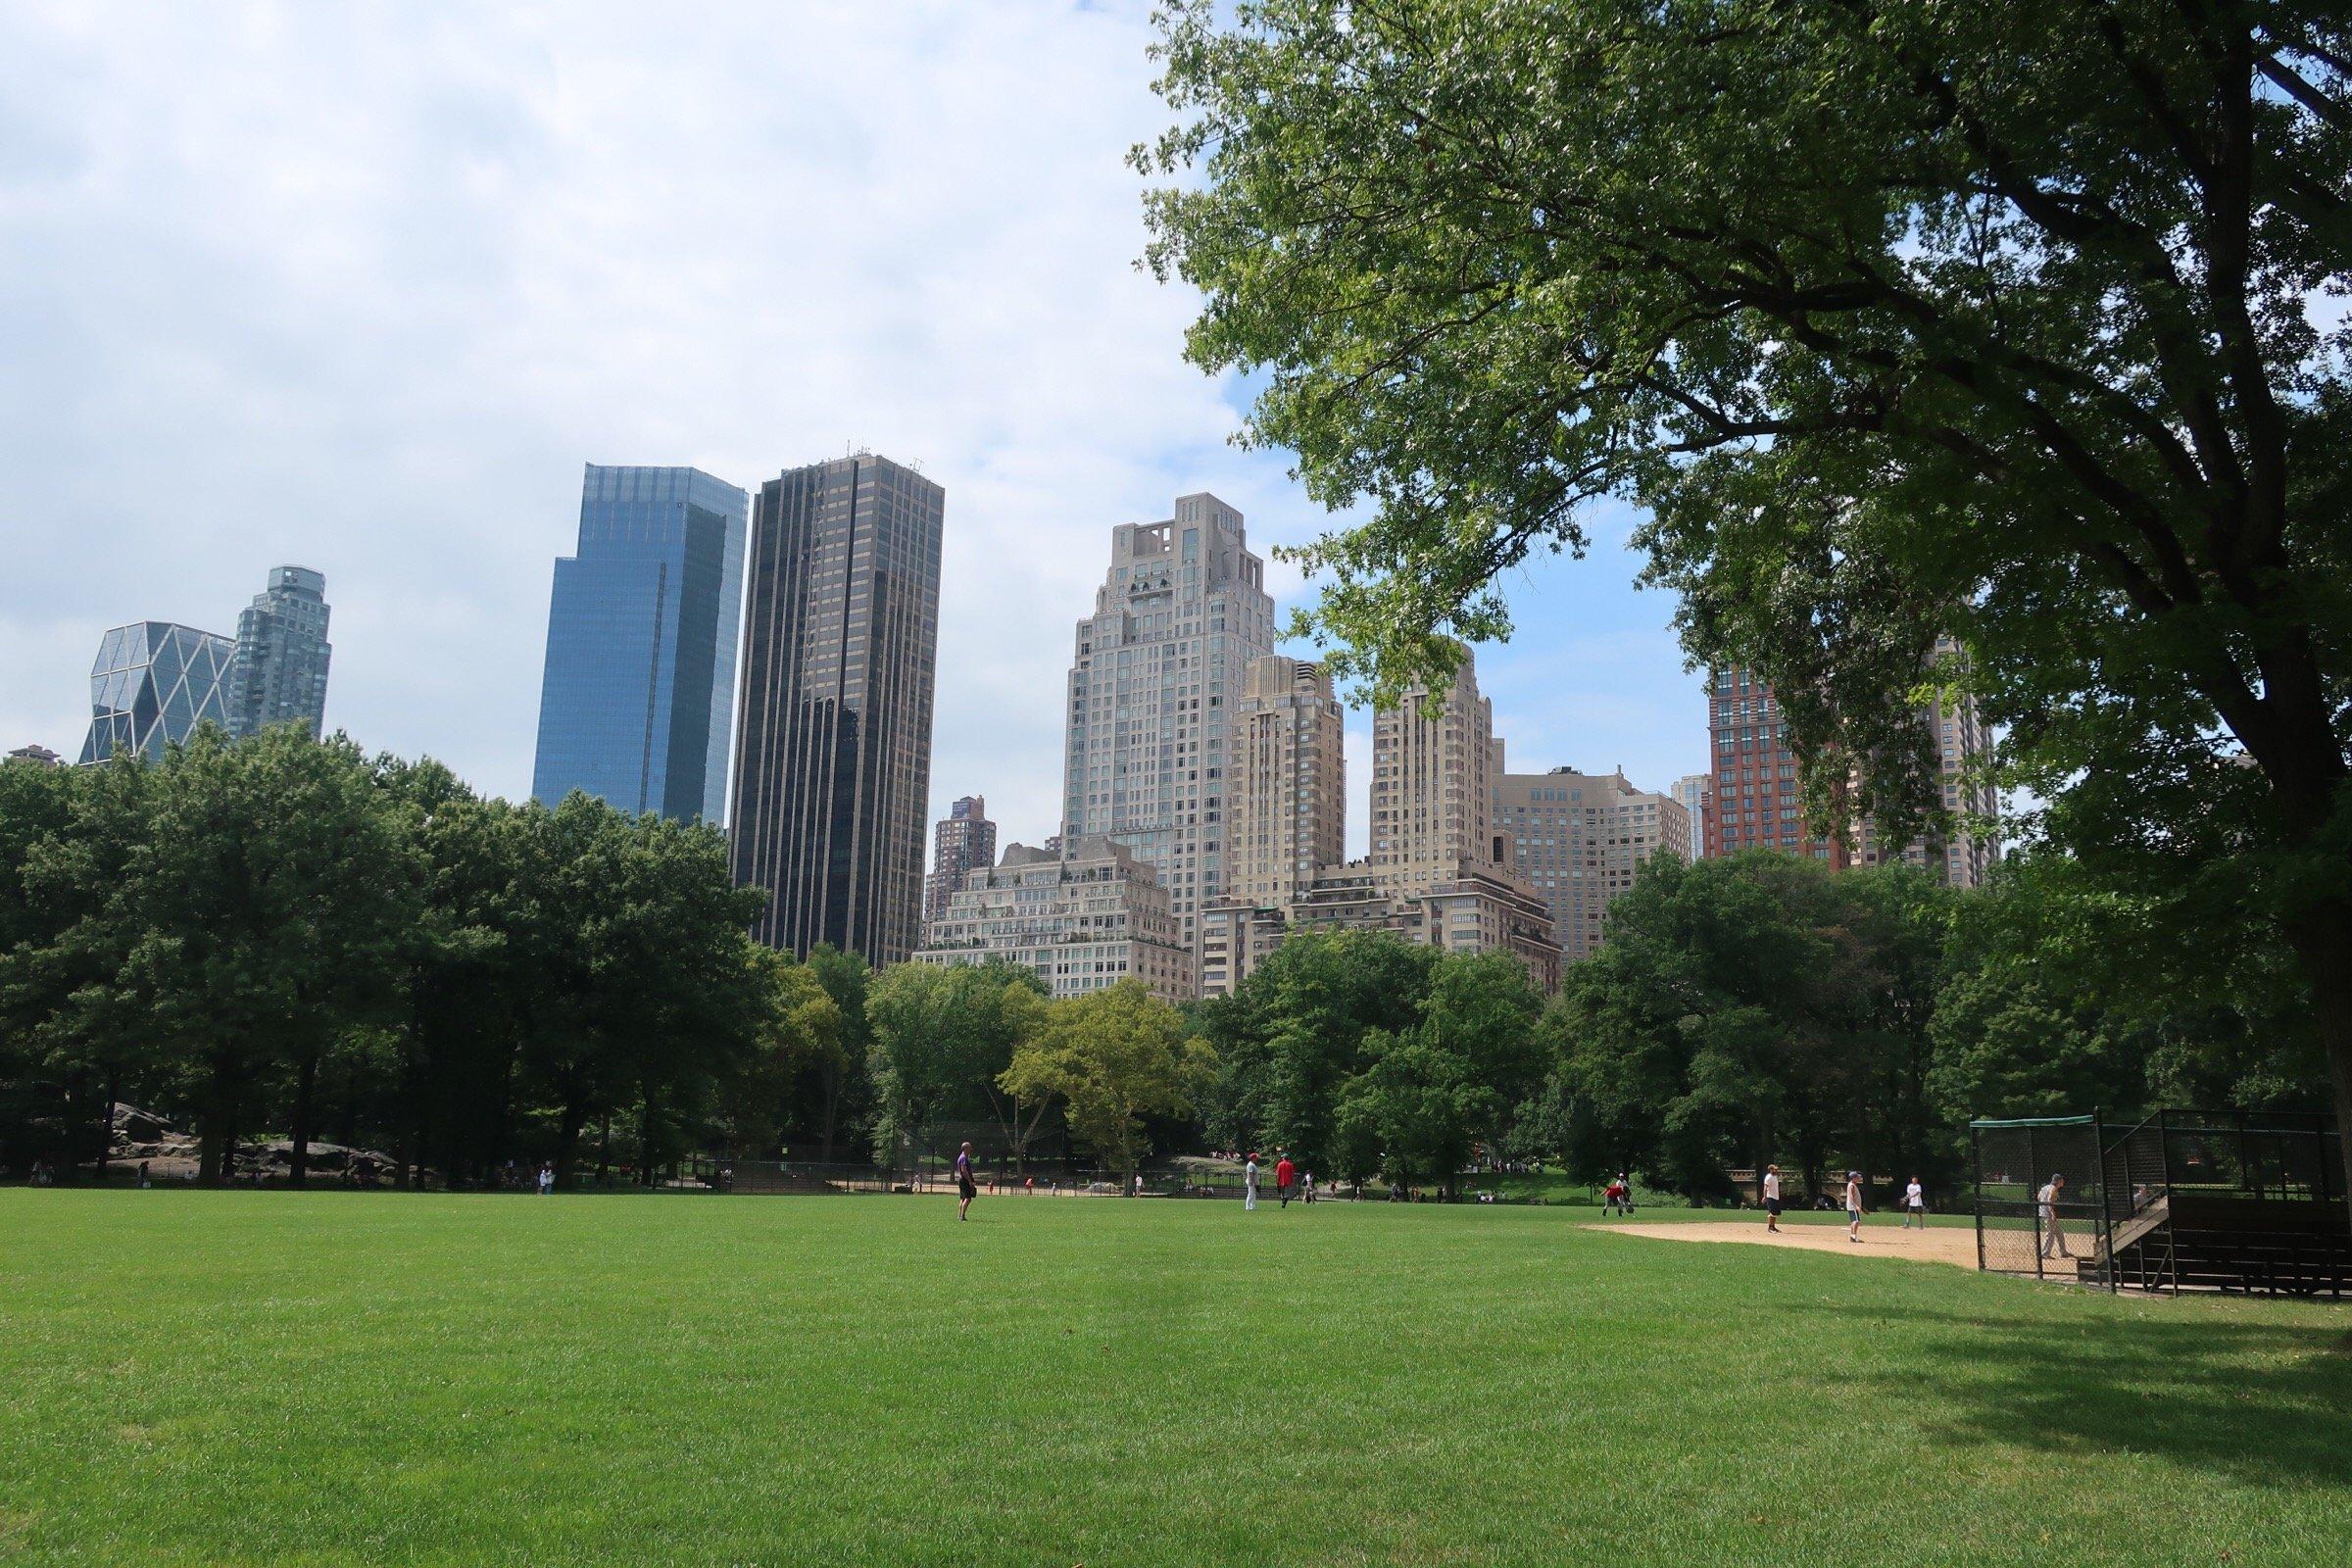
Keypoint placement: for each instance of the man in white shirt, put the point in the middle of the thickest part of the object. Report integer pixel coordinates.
(1772, 1199)
(2052, 1193)
(1853, 1206)
(1249, 1184)
(1915, 1206)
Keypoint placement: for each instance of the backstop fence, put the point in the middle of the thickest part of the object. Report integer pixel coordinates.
(2041, 1199)
(2248, 1201)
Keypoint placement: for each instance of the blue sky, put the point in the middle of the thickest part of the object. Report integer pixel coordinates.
(362, 288)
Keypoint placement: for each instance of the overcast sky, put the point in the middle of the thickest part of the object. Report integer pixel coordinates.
(362, 288)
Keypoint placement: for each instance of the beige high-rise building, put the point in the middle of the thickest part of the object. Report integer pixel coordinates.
(1431, 785)
(1578, 836)
(1083, 918)
(1436, 874)
(1155, 680)
(1286, 797)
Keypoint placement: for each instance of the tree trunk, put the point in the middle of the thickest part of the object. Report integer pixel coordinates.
(306, 1086)
(834, 1077)
(106, 1123)
(2324, 943)
(568, 1139)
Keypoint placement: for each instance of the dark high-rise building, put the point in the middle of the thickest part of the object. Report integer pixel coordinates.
(1752, 801)
(636, 702)
(151, 683)
(278, 675)
(961, 842)
(833, 735)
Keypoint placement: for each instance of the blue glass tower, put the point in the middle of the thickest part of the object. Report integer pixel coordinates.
(636, 706)
(151, 683)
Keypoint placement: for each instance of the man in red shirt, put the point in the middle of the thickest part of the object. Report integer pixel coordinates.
(1283, 1171)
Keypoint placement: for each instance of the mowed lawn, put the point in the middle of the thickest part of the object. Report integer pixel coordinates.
(360, 1378)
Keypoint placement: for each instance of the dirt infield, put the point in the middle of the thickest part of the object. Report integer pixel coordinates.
(1939, 1245)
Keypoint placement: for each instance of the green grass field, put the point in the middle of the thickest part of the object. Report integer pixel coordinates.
(354, 1378)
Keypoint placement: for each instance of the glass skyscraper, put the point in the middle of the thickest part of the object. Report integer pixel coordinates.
(833, 759)
(635, 704)
(153, 683)
(280, 673)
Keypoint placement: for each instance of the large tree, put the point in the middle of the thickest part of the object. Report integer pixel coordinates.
(1111, 1058)
(2018, 321)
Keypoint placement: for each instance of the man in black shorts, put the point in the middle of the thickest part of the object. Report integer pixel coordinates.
(966, 1187)
(1771, 1197)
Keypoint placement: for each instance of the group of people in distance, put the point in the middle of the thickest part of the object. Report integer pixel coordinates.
(1287, 1181)
(1290, 1181)
(1915, 1204)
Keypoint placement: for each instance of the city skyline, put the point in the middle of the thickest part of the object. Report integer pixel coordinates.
(421, 364)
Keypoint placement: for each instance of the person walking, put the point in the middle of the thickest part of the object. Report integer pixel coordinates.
(966, 1189)
(547, 1178)
(1853, 1206)
(1249, 1184)
(2053, 1234)
(1915, 1206)
(1284, 1173)
(1772, 1199)
(1306, 1193)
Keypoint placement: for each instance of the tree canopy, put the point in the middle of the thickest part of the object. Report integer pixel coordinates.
(2017, 323)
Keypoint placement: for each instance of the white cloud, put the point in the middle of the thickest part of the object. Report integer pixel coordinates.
(364, 287)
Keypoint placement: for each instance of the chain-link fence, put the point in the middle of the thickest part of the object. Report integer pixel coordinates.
(2224, 1200)
(2041, 1199)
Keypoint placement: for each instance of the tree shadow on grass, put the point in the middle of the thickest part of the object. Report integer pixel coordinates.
(2265, 1402)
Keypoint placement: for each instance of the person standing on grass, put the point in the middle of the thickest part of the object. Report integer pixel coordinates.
(1915, 1205)
(547, 1178)
(1249, 1184)
(966, 1189)
(1772, 1199)
(1853, 1206)
(1284, 1173)
(1306, 1192)
(2053, 1193)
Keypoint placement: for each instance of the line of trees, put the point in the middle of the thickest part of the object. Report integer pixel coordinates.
(284, 938)
(1756, 1010)
(285, 935)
